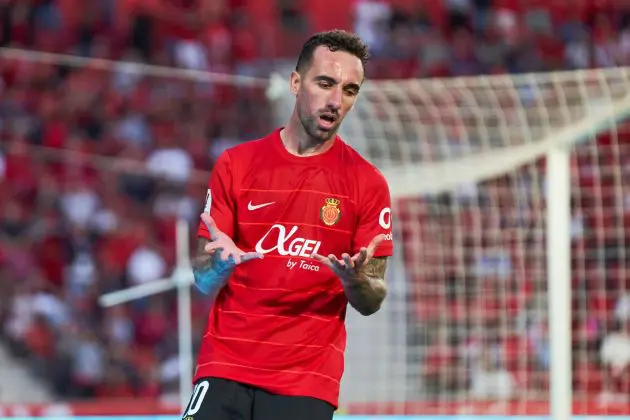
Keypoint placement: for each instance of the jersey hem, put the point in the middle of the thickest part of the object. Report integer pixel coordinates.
(232, 375)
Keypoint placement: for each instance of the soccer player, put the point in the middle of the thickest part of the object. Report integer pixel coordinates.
(296, 226)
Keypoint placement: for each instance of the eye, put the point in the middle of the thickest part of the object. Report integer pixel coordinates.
(324, 84)
(351, 92)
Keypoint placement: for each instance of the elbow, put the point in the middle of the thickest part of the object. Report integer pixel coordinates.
(369, 310)
(375, 304)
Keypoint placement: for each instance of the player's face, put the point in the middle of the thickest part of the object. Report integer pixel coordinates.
(327, 91)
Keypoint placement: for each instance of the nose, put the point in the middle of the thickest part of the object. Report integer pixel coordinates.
(334, 100)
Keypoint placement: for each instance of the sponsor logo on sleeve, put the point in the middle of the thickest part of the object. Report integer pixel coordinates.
(385, 221)
(385, 218)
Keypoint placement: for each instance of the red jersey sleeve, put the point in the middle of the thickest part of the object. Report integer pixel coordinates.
(219, 198)
(375, 215)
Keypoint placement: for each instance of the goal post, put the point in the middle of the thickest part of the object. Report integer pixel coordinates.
(558, 194)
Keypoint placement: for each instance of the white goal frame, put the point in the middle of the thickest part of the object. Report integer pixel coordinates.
(559, 281)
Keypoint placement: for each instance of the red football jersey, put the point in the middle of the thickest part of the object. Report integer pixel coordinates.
(278, 324)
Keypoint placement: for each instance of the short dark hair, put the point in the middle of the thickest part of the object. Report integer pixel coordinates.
(335, 40)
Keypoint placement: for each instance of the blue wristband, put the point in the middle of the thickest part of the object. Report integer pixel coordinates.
(214, 277)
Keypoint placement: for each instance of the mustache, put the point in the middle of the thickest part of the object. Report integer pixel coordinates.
(328, 113)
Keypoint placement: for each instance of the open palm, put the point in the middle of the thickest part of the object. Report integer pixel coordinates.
(347, 267)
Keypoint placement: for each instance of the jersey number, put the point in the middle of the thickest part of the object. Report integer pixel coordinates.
(199, 393)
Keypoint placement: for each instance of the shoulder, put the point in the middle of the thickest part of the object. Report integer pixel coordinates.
(248, 146)
(363, 169)
(242, 152)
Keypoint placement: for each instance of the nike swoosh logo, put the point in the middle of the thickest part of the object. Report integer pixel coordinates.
(252, 207)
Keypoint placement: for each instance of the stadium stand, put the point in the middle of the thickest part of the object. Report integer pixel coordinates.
(73, 227)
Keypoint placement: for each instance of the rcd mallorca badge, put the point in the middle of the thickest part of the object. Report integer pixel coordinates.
(330, 212)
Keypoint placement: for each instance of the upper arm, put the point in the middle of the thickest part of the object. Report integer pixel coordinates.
(374, 214)
(220, 201)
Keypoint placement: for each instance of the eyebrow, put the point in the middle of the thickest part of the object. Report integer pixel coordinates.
(329, 79)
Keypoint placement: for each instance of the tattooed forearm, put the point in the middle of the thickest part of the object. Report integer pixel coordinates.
(367, 293)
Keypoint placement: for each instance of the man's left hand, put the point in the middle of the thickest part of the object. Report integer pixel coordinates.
(348, 267)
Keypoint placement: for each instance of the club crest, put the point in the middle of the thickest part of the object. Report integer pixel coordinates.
(330, 212)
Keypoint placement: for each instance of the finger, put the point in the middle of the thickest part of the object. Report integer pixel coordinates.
(360, 257)
(347, 259)
(248, 256)
(226, 254)
(211, 226)
(375, 244)
(336, 264)
(322, 259)
(213, 246)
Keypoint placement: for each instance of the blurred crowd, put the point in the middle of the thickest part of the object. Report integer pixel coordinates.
(97, 163)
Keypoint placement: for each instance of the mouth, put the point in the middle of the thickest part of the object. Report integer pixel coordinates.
(327, 121)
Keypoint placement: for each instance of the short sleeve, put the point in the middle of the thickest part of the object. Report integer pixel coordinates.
(219, 198)
(375, 215)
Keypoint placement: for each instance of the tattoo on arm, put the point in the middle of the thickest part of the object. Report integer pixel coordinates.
(375, 268)
(367, 294)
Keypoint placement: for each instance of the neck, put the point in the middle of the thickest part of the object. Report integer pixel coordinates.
(299, 143)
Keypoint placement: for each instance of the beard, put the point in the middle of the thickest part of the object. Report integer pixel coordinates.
(315, 130)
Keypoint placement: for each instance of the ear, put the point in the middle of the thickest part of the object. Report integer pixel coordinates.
(294, 82)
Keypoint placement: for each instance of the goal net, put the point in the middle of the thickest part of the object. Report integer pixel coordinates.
(465, 329)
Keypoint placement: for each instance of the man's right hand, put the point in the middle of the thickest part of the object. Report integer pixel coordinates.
(222, 243)
(219, 257)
